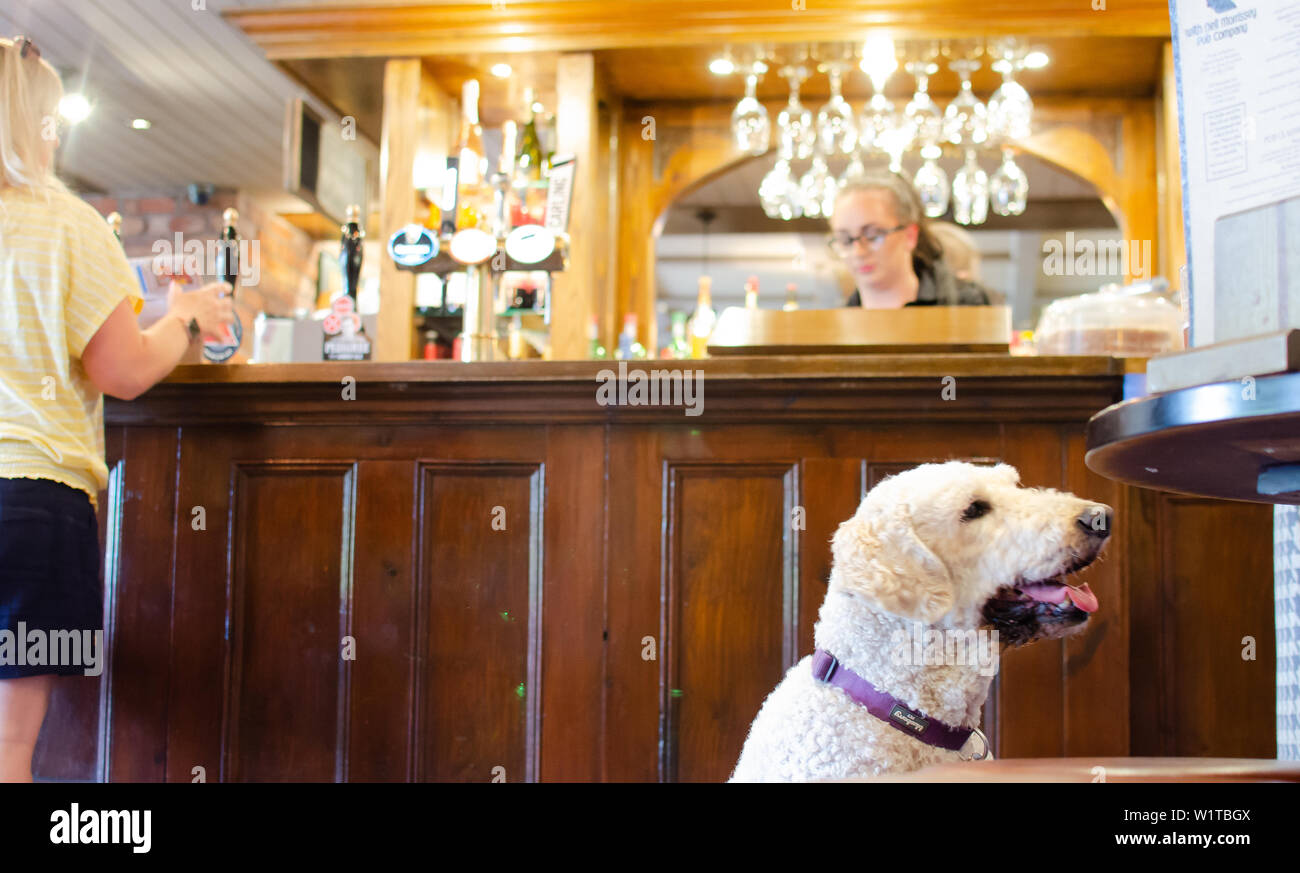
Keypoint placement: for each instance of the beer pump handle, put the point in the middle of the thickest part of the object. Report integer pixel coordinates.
(350, 252)
(228, 251)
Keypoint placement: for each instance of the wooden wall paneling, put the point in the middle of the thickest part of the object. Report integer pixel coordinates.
(638, 209)
(635, 518)
(577, 133)
(1151, 652)
(199, 676)
(142, 519)
(366, 30)
(289, 608)
(1217, 560)
(1139, 220)
(398, 146)
(1097, 659)
(573, 605)
(830, 490)
(383, 623)
(1030, 686)
(729, 591)
(478, 683)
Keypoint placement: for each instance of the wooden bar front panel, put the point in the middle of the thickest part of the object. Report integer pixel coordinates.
(515, 583)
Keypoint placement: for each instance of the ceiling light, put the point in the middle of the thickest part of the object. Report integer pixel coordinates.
(74, 108)
(501, 71)
(722, 67)
(1036, 60)
(538, 108)
(141, 123)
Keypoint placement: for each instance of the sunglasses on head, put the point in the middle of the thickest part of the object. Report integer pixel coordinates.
(25, 46)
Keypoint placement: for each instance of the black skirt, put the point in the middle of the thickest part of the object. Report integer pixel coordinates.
(51, 596)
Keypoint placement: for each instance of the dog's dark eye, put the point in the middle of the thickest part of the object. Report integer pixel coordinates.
(976, 509)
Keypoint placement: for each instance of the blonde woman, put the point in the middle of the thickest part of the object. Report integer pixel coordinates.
(880, 233)
(68, 304)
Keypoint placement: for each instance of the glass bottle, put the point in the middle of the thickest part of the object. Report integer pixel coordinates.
(702, 323)
(679, 347)
(628, 346)
(530, 181)
(595, 350)
(475, 195)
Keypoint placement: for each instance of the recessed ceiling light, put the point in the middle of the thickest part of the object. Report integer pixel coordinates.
(74, 108)
(501, 71)
(722, 67)
(1036, 60)
(538, 108)
(141, 123)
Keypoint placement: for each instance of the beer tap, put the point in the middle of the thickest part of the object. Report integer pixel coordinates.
(350, 253)
(227, 270)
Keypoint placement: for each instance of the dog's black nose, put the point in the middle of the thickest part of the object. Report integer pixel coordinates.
(1096, 520)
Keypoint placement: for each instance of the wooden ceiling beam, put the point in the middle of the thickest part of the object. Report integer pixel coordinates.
(457, 26)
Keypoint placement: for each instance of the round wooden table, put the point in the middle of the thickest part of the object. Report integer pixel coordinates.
(1235, 440)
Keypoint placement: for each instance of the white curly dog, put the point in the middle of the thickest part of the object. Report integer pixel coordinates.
(933, 563)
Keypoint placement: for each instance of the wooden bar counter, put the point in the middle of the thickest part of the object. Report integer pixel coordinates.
(444, 571)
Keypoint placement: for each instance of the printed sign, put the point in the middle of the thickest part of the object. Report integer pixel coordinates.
(412, 246)
(345, 337)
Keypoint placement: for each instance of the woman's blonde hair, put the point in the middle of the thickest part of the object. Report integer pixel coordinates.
(30, 91)
(907, 207)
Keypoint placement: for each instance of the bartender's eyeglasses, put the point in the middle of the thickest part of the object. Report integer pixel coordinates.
(842, 244)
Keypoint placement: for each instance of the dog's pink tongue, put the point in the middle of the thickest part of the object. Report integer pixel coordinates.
(1083, 597)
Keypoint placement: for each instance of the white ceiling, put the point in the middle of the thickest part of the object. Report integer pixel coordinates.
(217, 105)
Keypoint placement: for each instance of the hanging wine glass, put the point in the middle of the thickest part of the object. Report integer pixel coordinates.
(1010, 110)
(749, 121)
(965, 121)
(835, 127)
(855, 170)
(794, 124)
(931, 183)
(778, 193)
(817, 189)
(970, 192)
(1009, 187)
(921, 110)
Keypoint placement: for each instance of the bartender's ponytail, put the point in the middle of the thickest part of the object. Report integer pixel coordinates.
(907, 207)
(30, 91)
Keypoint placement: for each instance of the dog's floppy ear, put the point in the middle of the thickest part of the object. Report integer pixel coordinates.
(881, 558)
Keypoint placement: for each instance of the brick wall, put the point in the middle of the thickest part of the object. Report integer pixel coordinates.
(287, 279)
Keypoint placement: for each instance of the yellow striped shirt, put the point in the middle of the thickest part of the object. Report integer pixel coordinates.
(62, 272)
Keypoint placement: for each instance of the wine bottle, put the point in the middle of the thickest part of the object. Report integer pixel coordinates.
(474, 194)
(530, 181)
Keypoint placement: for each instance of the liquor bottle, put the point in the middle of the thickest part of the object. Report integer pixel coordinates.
(628, 347)
(791, 297)
(115, 223)
(595, 350)
(751, 292)
(474, 193)
(679, 347)
(530, 180)
(703, 321)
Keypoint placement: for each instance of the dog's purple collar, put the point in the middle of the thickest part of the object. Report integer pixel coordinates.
(886, 707)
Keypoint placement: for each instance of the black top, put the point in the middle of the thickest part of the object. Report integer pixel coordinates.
(939, 287)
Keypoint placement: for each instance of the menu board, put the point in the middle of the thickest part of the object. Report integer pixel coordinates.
(1239, 135)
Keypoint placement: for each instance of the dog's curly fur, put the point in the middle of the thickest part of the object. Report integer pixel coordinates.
(927, 549)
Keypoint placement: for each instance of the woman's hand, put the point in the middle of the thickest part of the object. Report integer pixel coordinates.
(211, 306)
